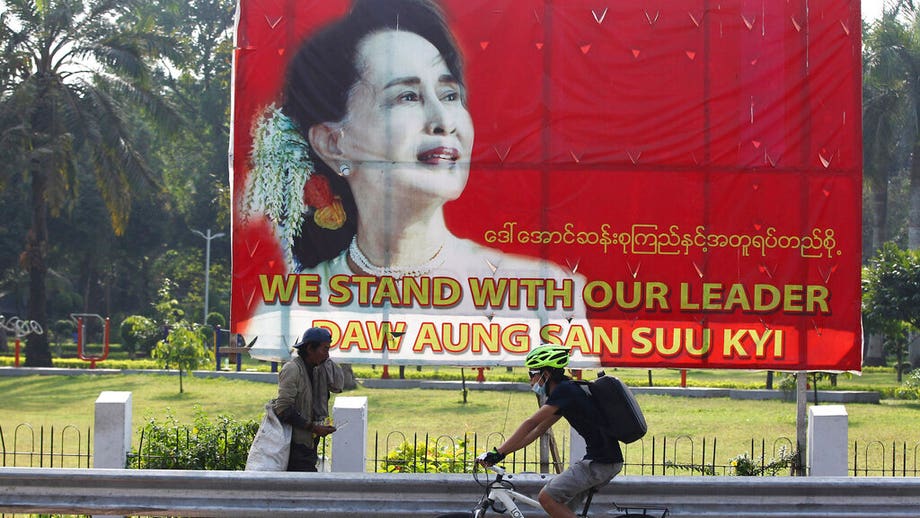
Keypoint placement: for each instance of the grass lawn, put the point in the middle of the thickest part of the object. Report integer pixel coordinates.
(69, 400)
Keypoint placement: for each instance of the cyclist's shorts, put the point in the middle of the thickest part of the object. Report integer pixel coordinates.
(571, 485)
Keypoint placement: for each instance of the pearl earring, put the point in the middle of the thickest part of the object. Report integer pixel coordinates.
(344, 170)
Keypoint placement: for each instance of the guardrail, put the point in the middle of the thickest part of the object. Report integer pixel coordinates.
(254, 494)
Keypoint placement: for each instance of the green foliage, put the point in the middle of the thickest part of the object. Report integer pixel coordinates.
(61, 331)
(444, 457)
(216, 319)
(64, 327)
(891, 290)
(744, 466)
(184, 348)
(220, 445)
(74, 80)
(891, 297)
(138, 333)
(910, 388)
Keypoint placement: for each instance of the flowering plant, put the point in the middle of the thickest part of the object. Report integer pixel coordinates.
(744, 466)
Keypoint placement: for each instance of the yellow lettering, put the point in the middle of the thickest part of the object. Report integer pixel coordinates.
(339, 294)
(737, 297)
(447, 292)
(685, 304)
(705, 344)
(792, 300)
(731, 344)
(712, 294)
(609, 339)
(427, 337)
(639, 337)
(516, 339)
(657, 292)
(817, 297)
(597, 294)
(279, 289)
(766, 297)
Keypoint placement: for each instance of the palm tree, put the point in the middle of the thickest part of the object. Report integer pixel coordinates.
(892, 118)
(889, 129)
(69, 72)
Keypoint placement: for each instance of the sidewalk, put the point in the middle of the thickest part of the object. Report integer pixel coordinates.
(824, 396)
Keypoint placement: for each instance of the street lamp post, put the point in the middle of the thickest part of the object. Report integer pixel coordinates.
(207, 267)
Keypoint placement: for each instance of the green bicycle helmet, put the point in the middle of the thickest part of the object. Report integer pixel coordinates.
(554, 356)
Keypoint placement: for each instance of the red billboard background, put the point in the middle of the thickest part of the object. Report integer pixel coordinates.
(698, 162)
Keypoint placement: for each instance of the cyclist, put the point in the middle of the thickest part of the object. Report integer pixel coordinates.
(564, 398)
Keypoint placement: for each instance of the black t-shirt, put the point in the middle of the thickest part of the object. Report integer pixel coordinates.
(578, 409)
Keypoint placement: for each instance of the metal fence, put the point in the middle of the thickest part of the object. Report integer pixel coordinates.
(900, 460)
(25, 446)
(653, 455)
(68, 447)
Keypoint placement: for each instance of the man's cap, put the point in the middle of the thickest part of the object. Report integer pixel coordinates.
(315, 334)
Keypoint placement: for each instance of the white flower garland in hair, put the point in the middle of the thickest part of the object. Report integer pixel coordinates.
(280, 167)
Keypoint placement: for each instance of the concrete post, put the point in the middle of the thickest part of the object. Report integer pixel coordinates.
(112, 425)
(827, 441)
(349, 442)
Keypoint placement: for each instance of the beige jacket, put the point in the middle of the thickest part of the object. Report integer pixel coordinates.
(310, 400)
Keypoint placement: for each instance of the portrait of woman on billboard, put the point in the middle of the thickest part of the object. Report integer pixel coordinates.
(353, 166)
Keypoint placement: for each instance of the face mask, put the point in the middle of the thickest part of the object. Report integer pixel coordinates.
(539, 389)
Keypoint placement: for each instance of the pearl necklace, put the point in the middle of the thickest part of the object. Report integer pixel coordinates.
(398, 272)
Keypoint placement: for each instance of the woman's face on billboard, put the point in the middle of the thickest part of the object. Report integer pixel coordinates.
(407, 125)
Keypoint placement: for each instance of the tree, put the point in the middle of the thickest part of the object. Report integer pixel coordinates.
(183, 346)
(891, 294)
(888, 128)
(890, 123)
(70, 72)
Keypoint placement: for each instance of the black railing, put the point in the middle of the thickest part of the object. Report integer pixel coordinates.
(888, 460)
(652, 455)
(24, 447)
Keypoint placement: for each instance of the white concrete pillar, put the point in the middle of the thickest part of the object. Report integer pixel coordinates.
(349, 442)
(827, 441)
(577, 446)
(112, 425)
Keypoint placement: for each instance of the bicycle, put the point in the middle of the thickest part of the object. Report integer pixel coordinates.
(501, 497)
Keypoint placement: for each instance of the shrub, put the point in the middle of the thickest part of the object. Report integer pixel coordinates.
(220, 445)
(910, 387)
(744, 466)
(63, 329)
(447, 458)
(215, 319)
(138, 333)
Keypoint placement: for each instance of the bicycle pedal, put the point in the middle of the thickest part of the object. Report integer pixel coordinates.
(642, 512)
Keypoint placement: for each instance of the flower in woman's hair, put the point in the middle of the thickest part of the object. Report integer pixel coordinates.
(316, 192)
(328, 212)
(332, 216)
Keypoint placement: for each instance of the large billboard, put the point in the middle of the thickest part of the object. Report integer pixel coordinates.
(674, 183)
